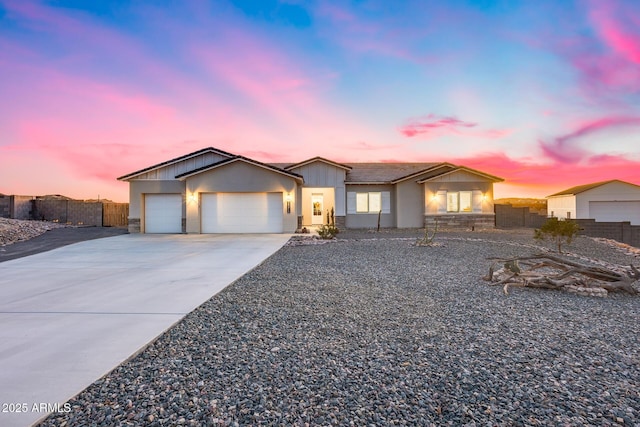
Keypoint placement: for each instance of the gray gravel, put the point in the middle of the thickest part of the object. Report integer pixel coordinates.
(372, 330)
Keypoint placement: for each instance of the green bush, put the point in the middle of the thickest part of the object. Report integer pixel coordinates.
(560, 231)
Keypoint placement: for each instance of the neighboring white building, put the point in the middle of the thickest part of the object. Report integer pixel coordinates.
(607, 201)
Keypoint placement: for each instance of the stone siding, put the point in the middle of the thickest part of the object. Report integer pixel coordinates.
(462, 221)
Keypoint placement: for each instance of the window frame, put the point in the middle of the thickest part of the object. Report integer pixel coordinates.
(453, 201)
(362, 198)
(468, 194)
(366, 201)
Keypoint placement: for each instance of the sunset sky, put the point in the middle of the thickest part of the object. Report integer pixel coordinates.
(545, 94)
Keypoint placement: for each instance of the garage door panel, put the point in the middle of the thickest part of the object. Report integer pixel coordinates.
(163, 213)
(242, 213)
(615, 211)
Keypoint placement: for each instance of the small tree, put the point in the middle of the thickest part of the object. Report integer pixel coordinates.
(560, 231)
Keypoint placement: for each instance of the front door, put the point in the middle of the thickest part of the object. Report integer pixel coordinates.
(317, 201)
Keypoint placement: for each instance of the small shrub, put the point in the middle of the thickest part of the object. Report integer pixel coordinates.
(427, 240)
(560, 231)
(326, 231)
(329, 230)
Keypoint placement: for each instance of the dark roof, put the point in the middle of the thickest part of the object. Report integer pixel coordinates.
(177, 159)
(243, 159)
(384, 172)
(585, 187)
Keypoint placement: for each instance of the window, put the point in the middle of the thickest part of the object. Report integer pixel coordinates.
(375, 202)
(452, 202)
(362, 202)
(369, 202)
(460, 201)
(465, 201)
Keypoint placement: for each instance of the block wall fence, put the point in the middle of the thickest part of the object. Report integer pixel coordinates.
(74, 212)
(508, 216)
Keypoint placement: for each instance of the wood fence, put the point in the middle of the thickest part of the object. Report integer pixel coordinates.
(115, 214)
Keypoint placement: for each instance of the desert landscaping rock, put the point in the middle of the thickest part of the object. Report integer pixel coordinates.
(374, 330)
(16, 230)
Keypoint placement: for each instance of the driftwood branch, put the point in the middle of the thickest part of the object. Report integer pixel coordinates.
(548, 271)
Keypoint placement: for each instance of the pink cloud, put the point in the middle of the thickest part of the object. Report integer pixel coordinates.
(94, 41)
(432, 123)
(609, 61)
(362, 145)
(564, 149)
(269, 84)
(617, 28)
(432, 126)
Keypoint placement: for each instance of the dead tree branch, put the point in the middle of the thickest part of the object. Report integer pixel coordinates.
(548, 271)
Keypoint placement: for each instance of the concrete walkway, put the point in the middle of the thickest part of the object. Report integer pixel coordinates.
(70, 315)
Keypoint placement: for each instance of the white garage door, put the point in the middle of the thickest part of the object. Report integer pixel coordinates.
(615, 211)
(163, 213)
(242, 213)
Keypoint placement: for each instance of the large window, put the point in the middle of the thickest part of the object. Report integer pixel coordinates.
(368, 202)
(459, 201)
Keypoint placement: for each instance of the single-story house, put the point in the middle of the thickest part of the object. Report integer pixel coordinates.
(606, 201)
(213, 191)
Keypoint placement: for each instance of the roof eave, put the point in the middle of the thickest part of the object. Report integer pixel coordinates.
(318, 159)
(368, 183)
(186, 175)
(415, 174)
(131, 175)
(463, 168)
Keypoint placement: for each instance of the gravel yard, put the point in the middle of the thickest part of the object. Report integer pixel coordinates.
(372, 330)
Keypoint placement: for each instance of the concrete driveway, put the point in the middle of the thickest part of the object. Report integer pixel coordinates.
(71, 315)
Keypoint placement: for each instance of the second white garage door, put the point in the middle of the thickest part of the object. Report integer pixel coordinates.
(615, 211)
(242, 213)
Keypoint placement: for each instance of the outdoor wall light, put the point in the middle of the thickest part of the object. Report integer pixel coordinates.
(288, 199)
(193, 197)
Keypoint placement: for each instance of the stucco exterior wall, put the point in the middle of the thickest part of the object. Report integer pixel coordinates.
(239, 177)
(321, 175)
(370, 220)
(410, 204)
(560, 206)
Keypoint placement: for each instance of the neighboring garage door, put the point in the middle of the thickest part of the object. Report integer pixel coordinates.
(242, 213)
(615, 211)
(163, 213)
